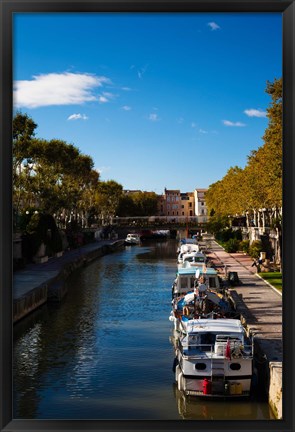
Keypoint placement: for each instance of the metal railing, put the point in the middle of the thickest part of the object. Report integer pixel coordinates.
(237, 350)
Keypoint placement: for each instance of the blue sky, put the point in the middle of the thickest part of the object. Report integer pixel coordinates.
(156, 99)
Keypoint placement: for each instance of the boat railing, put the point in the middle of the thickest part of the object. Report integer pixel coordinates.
(236, 350)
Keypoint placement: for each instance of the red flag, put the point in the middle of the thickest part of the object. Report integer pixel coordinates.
(227, 350)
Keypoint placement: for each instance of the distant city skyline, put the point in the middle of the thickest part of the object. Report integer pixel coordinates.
(156, 99)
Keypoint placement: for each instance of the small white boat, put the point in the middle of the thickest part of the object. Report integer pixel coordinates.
(214, 358)
(132, 239)
(186, 249)
(196, 259)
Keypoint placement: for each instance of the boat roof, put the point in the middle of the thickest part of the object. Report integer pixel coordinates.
(188, 241)
(194, 254)
(222, 325)
(191, 271)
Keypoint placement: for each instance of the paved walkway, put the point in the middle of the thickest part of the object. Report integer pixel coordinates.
(35, 275)
(261, 304)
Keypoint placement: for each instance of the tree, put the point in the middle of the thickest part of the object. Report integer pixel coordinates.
(259, 184)
(23, 132)
(52, 176)
(107, 198)
(138, 204)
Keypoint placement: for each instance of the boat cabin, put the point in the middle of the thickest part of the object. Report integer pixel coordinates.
(186, 278)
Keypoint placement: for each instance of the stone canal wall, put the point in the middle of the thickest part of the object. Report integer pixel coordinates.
(31, 290)
(275, 389)
(29, 302)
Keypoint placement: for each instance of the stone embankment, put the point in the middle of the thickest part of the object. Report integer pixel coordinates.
(260, 306)
(39, 283)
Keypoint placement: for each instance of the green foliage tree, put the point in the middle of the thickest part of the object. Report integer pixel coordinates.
(107, 198)
(138, 204)
(52, 176)
(259, 184)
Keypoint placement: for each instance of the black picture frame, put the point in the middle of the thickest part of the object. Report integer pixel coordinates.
(7, 9)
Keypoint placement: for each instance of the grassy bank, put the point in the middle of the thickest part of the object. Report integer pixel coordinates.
(274, 278)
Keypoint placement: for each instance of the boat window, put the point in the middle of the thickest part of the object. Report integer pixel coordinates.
(200, 366)
(194, 339)
(207, 339)
(192, 282)
(212, 282)
(183, 282)
(235, 366)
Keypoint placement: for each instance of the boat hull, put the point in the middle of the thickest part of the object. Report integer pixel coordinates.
(213, 387)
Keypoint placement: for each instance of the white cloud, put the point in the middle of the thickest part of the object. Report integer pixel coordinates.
(234, 124)
(126, 108)
(103, 99)
(106, 97)
(142, 71)
(193, 125)
(78, 117)
(154, 117)
(255, 112)
(203, 131)
(213, 26)
(57, 89)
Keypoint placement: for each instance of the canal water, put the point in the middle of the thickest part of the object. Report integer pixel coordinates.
(105, 352)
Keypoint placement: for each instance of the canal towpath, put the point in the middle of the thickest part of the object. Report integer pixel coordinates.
(256, 300)
(36, 274)
(37, 282)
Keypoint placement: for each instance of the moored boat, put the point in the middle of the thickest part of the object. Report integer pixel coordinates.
(214, 358)
(193, 259)
(132, 239)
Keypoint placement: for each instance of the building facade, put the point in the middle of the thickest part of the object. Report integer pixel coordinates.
(200, 204)
(174, 203)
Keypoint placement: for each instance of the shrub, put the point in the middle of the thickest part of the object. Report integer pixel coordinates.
(232, 245)
(244, 246)
(255, 248)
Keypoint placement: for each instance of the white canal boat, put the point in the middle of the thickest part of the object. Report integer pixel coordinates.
(186, 249)
(214, 358)
(193, 259)
(132, 239)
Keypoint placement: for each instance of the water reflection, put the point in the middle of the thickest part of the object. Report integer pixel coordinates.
(104, 352)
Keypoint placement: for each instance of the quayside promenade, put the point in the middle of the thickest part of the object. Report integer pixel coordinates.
(38, 283)
(260, 305)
